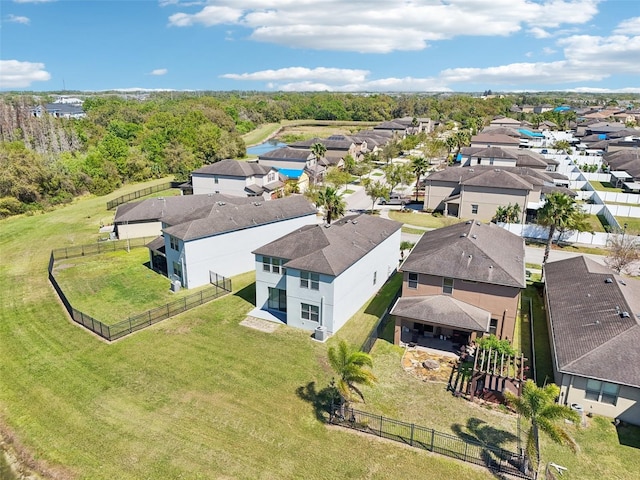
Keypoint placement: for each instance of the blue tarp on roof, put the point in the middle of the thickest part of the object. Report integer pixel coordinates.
(602, 136)
(561, 109)
(459, 157)
(529, 133)
(290, 172)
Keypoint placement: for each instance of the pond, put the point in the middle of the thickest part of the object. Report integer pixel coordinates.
(265, 147)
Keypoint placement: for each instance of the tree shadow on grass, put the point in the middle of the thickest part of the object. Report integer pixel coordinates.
(321, 400)
(248, 293)
(493, 441)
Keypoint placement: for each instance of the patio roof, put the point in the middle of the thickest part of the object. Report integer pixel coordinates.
(443, 310)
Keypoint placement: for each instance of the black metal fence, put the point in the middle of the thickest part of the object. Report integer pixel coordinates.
(221, 287)
(379, 327)
(111, 204)
(99, 247)
(496, 459)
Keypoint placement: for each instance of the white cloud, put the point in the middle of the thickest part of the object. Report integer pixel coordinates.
(631, 26)
(16, 74)
(604, 90)
(548, 51)
(335, 79)
(539, 32)
(159, 71)
(18, 19)
(387, 26)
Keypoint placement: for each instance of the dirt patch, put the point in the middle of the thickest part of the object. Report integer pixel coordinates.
(259, 324)
(413, 361)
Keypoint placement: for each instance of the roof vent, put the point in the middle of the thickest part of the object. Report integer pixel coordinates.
(622, 282)
(469, 222)
(608, 280)
(625, 315)
(478, 223)
(470, 257)
(474, 236)
(327, 225)
(490, 266)
(463, 235)
(354, 221)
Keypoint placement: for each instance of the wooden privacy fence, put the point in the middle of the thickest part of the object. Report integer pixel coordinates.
(111, 332)
(111, 204)
(496, 459)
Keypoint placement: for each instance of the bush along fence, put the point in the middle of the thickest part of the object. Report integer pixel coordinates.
(222, 286)
(498, 460)
(111, 204)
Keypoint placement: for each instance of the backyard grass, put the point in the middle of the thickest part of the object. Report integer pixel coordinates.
(194, 396)
(633, 224)
(419, 219)
(604, 186)
(412, 231)
(597, 223)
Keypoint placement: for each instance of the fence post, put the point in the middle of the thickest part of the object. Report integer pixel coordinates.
(185, 304)
(149, 316)
(412, 428)
(466, 445)
(130, 330)
(381, 418)
(433, 435)
(200, 297)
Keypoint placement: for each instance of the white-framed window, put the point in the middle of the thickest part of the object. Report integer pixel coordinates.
(271, 264)
(309, 280)
(375, 277)
(447, 285)
(474, 208)
(602, 392)
(174, 243)
(310, 312)
(215, 180)
(413, 280)
(177, 270)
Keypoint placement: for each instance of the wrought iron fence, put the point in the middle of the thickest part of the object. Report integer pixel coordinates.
(111, 332)
(496, 459)
(111, 204)
(99, 247)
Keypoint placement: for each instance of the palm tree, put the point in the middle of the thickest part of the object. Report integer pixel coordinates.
(560, 212)
(419, 167)
(318, 149)
(538, 405)
(333, 203)
(350, 365)
(462, 138)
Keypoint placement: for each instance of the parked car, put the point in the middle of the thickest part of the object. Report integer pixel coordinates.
(395, 199)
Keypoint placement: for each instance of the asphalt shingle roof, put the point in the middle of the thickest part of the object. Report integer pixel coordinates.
(471, 251)
(444, 310)
(591, 337)
(331, 250)
(234, 168)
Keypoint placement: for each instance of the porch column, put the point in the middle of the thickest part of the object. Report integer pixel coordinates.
(397, 331)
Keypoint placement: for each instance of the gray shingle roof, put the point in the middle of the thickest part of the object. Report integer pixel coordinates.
(490, 139)
(590, 338)
(153, 209)
(330, 144)
(334, 249)
(287, 153)
(233, 168)
(497, 177)
(228, 218)
(472, 251)
(443, 310)
(463, 174)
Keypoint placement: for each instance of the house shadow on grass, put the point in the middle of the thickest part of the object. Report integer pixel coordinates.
(320, 400)
(248, 293)
(493, 441)
(628, 435)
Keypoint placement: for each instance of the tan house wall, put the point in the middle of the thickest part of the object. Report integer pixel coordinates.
(435, 192)
(136, 230)
(627, 408)
(488, 201)
(500, 300)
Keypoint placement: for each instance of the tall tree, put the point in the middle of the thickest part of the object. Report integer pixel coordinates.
(337, 177)
(419, 166)
(462, 139)
(318, 150)
(375, 190)
(332, 202)
(623, 251)
(350, 365)
(560, 213)
(397, 174)
(538, 405)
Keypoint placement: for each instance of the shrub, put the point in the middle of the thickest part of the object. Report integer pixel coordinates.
(492, 342)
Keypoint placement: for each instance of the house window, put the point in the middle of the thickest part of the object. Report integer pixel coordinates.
(602, 392)
(270, 264)
(474, 208)
(413, 280)
(447, 286)
(493, 326)
(215, 180)
(177, 270)
(375, 277)
(277, 299)
(310, 312)
(491, 161)
(174, 243)
(309, 280)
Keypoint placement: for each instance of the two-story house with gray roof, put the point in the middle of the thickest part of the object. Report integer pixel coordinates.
(320, 276)
(460, 282)
(594, 331)
(288, 158)
(220, 238)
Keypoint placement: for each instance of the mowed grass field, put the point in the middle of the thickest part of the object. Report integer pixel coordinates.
(195, 396)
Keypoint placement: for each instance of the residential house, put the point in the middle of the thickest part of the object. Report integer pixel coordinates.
(505, 122)
(59, 110)
(320, 276)
(295, 159)
(505, 157)
(494, 140)
(592, 315)
(238, 178)
(143, 218)
(336, 149)
(461, 282)
(220, 238)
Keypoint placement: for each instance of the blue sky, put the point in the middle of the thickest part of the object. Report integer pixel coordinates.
(311, 45)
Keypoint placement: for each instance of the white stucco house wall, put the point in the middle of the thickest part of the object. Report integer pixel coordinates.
(220, 239)
(239, 178)
(320, 276)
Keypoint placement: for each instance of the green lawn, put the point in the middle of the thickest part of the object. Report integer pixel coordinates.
(604, 186)
(597, 223)
(633, 224)
(194, 396)
(413, 231)
(420, 219)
